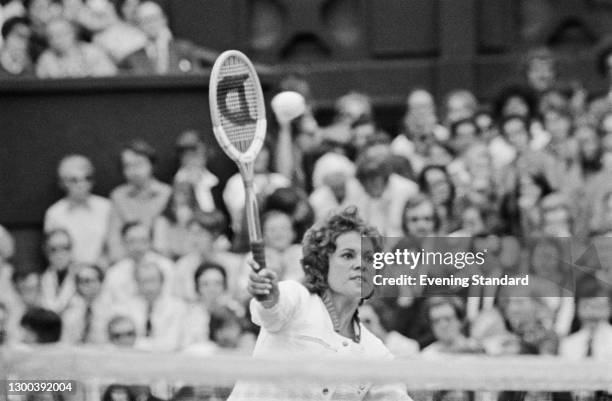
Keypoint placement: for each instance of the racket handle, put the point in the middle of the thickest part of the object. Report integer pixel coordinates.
(259, 255)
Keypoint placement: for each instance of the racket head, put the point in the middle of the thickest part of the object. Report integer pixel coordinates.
(237, 107)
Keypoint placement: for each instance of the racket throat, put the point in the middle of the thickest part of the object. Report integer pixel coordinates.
(251, 207)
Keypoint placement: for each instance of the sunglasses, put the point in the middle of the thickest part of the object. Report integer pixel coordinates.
(58, 248)
(419, 218)
(123, 334)
(87, 280)
(76, 180)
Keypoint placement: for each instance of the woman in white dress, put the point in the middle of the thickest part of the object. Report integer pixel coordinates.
(319, 318)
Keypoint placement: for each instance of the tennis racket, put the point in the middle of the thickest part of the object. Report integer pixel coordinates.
(238, 116)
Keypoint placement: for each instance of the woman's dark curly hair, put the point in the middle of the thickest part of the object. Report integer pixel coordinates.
(320, 242)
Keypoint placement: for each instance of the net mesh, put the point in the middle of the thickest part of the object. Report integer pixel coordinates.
(237, 95)
(190, 378)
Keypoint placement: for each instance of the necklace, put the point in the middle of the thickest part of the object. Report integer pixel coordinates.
(333, 314)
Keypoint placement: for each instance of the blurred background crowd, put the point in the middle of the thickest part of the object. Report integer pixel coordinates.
(161, 266)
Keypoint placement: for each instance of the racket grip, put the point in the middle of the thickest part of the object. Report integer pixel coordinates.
(259, 255)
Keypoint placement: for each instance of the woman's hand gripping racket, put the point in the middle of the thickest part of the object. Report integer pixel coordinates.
(238, 116)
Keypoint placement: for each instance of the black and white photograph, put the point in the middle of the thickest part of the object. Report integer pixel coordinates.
(309, 200)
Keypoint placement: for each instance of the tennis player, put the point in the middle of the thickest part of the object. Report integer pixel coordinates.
(319, 318)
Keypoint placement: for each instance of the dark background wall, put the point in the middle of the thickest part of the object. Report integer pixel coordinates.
(380, 47)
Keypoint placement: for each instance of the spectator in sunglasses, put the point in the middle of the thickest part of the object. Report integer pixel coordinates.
(83, 215)
(84, 318)
(122, 331)
(57, 281)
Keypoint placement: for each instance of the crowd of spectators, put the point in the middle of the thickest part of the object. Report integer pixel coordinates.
(162, 266)
(92, 38)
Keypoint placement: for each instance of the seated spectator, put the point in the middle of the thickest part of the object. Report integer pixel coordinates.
(41, 326)
(264, 183)
(83, 215)
(453, 395)
(283, 255)
(170, 233)
(435, 182)
(204, 230)
(120, 282)
(473, 223)
(556, 216)
(349, 109)
(4, 324)
(121, 331)
(419, 218)
(594, 339)
(386, 194)
(162, 54)
(109, 32)
(84, 320)
(15, 58)
(519, 208)
(335, 185)
(7, 250)
(445, 316)
(515, 129)
(142, 198)
(420, 129)
(550, 269)
(118, 392)
(227, 332)
(379, 319)
(211, 289)
(67, 57)
(193, 156)
(530, 318)
(57, 281)
(540, 69)
(159, 317)
(41, 12)
(294, 202)
(27, 289)
(460, 104)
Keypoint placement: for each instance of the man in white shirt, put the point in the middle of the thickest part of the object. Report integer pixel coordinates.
(84, 215)
(120, 282)
(204, 229)
(594, 339)
(385, 194)
(57, 281)
(159, 318)
(420, 128)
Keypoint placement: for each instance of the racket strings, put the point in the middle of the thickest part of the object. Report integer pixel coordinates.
(237, 97)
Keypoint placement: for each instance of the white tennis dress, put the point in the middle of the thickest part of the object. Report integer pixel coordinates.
(300, 325)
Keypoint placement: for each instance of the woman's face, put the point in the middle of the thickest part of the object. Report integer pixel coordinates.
(345, 267)
(545, 261)
(516, 105)
(61, 36)
(19, 38)
(445, 324)
(438, 186)
(420, 220)
(211, 284)
(557, 124)
(58, 249)
(278, 231)
(472, 221)
(589, 143)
